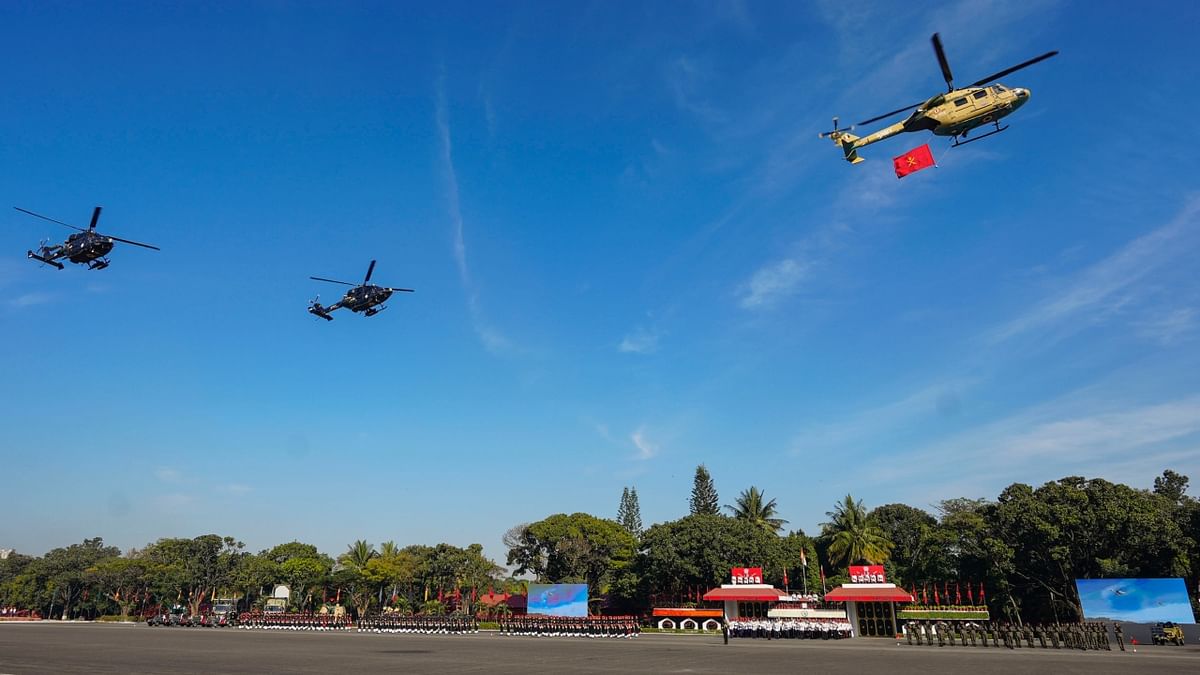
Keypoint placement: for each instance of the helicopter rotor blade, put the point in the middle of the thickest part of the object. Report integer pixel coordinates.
(95, 217)
(1030, 62)
(128, 241)
(370, 270)
(333, 281)
(404, 290)
(941, 57)
(38, 215)
(894, 112)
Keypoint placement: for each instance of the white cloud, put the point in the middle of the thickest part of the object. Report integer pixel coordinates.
(236, 488)
(167, 474)
(773, 282)
(645, 447)
(640, 341)
(30, 299)
(1108, 285)
(1170, 327)
(491, 338)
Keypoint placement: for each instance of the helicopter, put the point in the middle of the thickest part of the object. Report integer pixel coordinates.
(364, 297)
(85, 247)
(954, 113)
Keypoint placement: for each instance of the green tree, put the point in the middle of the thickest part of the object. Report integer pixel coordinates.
(853, 536)
(911, 530)
(572, 548)
(685, 557)
(704, 500)
(629, 515)
(752, 506)
(62, 571)
(121, 580)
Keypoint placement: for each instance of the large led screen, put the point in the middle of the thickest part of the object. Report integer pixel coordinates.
(558, 599)
(1135, 600)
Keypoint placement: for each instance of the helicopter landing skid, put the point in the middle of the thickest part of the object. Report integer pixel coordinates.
(374, 310)
(99, 264)
(997, 130)
(43, 259)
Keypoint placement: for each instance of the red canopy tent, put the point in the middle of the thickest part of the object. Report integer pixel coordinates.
(869, 594)
(747, 594)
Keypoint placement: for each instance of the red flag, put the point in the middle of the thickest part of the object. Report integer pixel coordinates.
(957, 594)
(785, 579)
(982, 597)
(970, 595)
(474, 595)
(936, 599)
(914, 160)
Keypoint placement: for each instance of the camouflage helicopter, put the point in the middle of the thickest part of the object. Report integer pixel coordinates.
(85, 247)
(954, 113)
(365, 297)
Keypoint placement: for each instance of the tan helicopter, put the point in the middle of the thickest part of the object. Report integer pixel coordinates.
(952, 114)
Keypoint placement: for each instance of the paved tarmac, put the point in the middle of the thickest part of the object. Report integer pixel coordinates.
(134, 648)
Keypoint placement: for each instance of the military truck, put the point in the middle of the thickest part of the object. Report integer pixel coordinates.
(1167, 633)
(176, 616)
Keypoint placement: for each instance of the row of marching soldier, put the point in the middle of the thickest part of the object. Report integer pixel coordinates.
(294, 621)
(789, 629)
(423, 625)
(1083, 636)
(571, 626)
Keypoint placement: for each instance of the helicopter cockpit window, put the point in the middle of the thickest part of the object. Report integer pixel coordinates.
(960, 101)
(999, 88)
(981, 93)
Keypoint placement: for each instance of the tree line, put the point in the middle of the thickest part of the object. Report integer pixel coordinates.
(1026, 547)
(90, 579)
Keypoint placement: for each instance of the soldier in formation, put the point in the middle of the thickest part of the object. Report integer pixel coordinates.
(790, 629)
(388, 622)
(1083, 636)
(571, 626)
(308, 621)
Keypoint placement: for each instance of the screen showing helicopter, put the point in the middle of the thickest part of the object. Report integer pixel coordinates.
(558, 599)
(1135, 600)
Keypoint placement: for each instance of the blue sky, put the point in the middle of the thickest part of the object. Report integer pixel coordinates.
(632, 254)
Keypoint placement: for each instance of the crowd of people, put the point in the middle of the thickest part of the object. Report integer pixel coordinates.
(1088, 635)
(780, 629)
(571, 626)
(424, 625)
(294, 621)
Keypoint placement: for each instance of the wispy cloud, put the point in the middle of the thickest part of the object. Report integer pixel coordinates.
(1107, 285)
(493, 340)
(168, 475)
(773, 282)
(1170, 327)
(641, 340)
(236, 489)
(645, 447)
(30, 299)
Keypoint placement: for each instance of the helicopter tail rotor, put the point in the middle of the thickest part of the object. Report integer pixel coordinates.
(836, 134)
(317, 309)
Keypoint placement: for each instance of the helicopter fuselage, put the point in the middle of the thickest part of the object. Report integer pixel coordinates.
(363, 298)
(952, 114)
(84, 247)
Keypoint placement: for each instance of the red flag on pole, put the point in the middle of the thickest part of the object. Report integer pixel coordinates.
(803, 558)
(913, 161)
(957, 594)
(982, 597)
(936, 599)
(785, 579)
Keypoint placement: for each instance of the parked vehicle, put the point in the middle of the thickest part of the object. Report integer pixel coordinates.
(1167, 633)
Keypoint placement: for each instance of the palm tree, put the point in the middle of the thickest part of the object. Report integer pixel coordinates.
(751, 506)
(359, 554)
(388, 549)
(853, 536)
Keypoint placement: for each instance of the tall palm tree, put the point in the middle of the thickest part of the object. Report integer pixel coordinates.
(359, 554)
(752, 506)
(854, 537)
(388, 549)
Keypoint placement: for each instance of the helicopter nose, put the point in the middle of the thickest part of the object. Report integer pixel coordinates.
(1023, 94)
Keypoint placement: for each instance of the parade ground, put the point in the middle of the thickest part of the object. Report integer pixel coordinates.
(126, 648)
